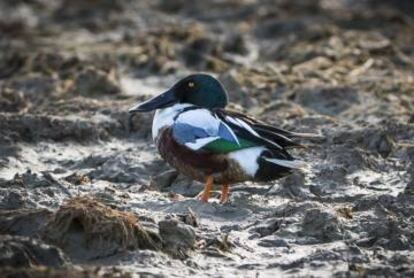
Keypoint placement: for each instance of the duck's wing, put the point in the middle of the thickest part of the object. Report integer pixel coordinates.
(214, 131)
(196, 128)
(276, 135)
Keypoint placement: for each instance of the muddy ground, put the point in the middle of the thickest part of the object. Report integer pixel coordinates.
(83, 192)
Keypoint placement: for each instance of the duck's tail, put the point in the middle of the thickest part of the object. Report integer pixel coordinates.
(271, 168)
(292, 164)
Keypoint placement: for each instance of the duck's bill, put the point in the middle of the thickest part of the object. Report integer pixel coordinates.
(161, 101)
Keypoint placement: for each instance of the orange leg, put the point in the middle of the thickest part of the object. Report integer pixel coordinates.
(225, 189)
(207, 189)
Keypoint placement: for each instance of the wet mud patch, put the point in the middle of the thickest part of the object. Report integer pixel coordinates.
(24, 222)
(20, 252)
(49, 272)
(34, 128)
(328, 101)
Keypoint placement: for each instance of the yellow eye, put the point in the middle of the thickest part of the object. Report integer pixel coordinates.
(191, 84)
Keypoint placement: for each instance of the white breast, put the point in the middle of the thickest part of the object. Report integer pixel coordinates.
(165, 117)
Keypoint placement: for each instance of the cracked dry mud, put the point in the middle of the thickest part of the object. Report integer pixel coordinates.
(83, 192)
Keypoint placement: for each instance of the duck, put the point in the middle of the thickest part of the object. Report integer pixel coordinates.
(197, 135)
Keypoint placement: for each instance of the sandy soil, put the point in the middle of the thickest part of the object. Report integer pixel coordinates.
(84, 193)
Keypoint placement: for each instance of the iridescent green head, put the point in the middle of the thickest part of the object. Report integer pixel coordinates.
(198, 89)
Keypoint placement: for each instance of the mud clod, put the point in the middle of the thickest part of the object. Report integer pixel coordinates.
(86, 229)
(31, 180)
(92, 82)
(23, 222)
(328, 101)
(49, 272)
(178, 238)
(409, 189)
(12, 101)
(78, 179)
(218, 245)
(189, 218)
(13, 199)
(17, 251)
(164, 180)
(321, 225)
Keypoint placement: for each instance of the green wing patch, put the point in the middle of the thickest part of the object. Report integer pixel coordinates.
(224, 146)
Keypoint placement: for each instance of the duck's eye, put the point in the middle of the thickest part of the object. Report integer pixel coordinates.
(191, 84)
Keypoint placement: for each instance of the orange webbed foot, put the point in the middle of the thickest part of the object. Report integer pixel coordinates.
(205, 195)
(225, 189)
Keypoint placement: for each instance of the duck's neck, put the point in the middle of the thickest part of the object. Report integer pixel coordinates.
(165, 117)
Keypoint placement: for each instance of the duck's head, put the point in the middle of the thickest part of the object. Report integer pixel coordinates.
(197, 89)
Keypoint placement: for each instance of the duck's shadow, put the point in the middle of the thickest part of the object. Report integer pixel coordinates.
(241, 207)
(232, 211)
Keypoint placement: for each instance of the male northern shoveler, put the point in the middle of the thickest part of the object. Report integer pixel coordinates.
(196, 135)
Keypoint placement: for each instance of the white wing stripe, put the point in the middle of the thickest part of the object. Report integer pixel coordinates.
(230, 119)
(246, 126)
(199, 143)
(242, 124)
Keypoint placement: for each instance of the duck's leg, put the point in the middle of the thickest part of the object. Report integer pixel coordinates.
(225, 189)
(207, 189)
